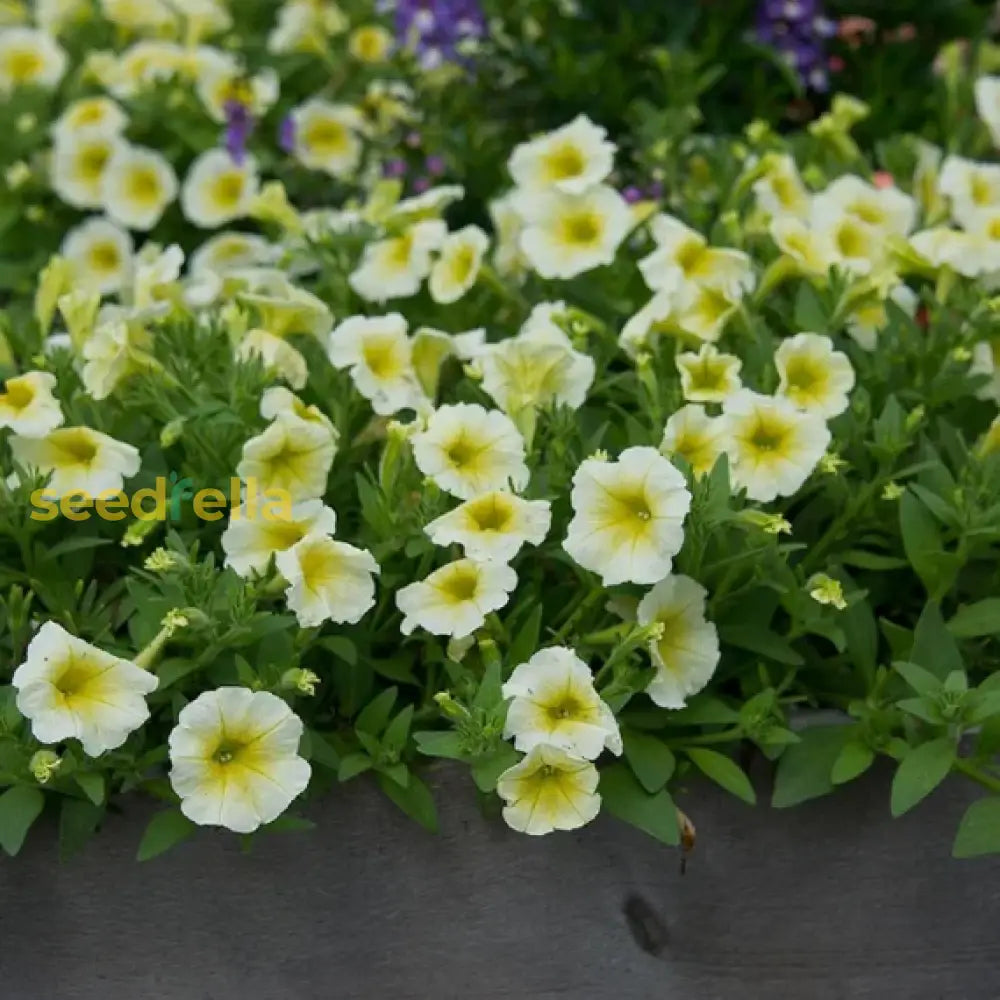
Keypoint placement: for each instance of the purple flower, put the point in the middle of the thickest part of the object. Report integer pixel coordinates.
(239, 126)
(395, 168)
(797, 31)
(286, 134)
(435, 165)
(437, 30)
(632, 194)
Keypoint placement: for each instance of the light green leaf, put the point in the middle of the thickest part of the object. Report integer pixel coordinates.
(853, 760)
(805, 768)
(650, 759)
(921, 771)
(975, 620)
(723, 771)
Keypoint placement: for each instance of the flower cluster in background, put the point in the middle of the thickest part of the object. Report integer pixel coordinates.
(798, 31)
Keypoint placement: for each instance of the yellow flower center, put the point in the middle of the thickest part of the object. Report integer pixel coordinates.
(768, 436)
(461, 452)
(326, 137)
(227, 189)
(460, 584)
(491, 513)
(75, 678)
(981, 190)
(142, 185)
(867, 212)
(785, 190)
(19, 395)
(227, 751)
(23, 65)
(88, 113)
(803, 376)
(563, 162)
(567, 707)
(282, 535)
(851, 241)
(690, 255)
(381, 357)
(104, 257)
(399, 251)
(582, 228)
(74, 445)
(463, 260)
(317, 567)
(93, 160)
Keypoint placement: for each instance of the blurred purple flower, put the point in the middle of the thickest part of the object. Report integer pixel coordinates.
(286, 134)
(436, 30)
(421, 184)
(797, 31)
(239, 126)
(395, 168)
(435, 165)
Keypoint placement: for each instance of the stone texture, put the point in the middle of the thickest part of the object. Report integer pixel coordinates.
(831, 901)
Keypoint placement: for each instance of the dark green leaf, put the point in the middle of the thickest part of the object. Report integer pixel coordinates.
(934, 648)
(626, 799)
(853, 760)
(805, 768)
(723, 771)
(19, 808)
(374, 716)
(650, 759)
(979, 831)
(975, 620)
(415, 800)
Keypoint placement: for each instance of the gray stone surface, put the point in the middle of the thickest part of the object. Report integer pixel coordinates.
(830, 901)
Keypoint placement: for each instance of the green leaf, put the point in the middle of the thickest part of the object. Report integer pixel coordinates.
(979, 831)
(352, 765)
(922, 681)
(805, 768)
(375, 714)
(526, 640)
(921, 771)
(761, 640)
(488, 696)
(320, 750)
(341, 647)
(415, 800)
(872, 560)
(19, 808)
(934, 647)
(77, 822)
(92, 785)
(438, 744)
(650, 759)
(809, 311)
(394, 737)
(723, 771)
(626, 799)
(487, 768)
(924, 547)
(975, 620)
(165, 830)
(853, 760)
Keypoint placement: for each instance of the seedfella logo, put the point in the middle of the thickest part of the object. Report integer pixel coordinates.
(165, 501)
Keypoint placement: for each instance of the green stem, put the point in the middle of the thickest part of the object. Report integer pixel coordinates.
(726, 736)
(970, 770)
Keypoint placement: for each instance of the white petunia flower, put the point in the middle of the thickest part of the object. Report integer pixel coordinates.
(232, 251)
(79, 162)
(508, 258)
(566, 235)
(379, 355)
(327, 137)
(224, 81)
(234, 758)
(276, 354)
(683, 257)
(970, 186)
(549, 790)
(90, 116)
(987, 93)
(852, 244)
(779, 191)
(628, 516)
(571, 159)
(28, 405)
(395, 267)
(962, 251)
(889, 210)
(327, 580)
(493, 526)
(457, 267)
(137, 186)
(115, 350)
(278, 400)
(100, 254)
(867, 320)
(79, 460)
(69, 689)
(687, 653)
(709, 376)
(254, 535)
(986, 361)
(29, 57)
(809, 249)
(813, 375)
(656, 318)
(696, 437)
(217, 189)
(467, 449)
(773, 447)
(455, 599)
(554, 703)
(537, 368)
(290, 454)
